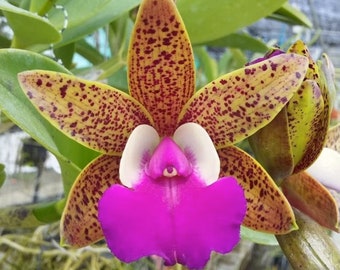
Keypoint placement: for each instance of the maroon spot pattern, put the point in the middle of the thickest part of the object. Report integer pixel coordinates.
(161, 67)
(94, 114)
(79, 225)
(303, 121)
(267, 208)
(238, 104)
(320, 124)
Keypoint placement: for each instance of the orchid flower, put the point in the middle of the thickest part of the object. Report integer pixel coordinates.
(155, 188)
(293, 141)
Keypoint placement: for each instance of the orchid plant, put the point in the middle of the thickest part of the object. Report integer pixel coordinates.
(168, 179)
(155, 161)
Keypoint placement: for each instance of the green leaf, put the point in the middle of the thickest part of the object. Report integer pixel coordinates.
(65, 54)
(30, 216)
(110, 67)
(231, 60)
(74, 155)
(208, 20)
(119, 80)
(4, 42)
(119, 32)
(85, 16)
(41, 6)
(207, 64)
(88, 52)
(288, 14)
(241, 41)
(2, 174)
(25, 24)
(258, 237)
(49, 212)
(69, 173)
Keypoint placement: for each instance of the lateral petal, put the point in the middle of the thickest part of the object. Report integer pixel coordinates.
(321, 121)
(196, 143)
(161, 66)
(303, 111)
(79, 224)
(310, 197)
(94, 114)
(138, 150)
(239, 103)
(267, 208)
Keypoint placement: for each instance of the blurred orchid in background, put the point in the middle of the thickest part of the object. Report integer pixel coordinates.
(295, 138)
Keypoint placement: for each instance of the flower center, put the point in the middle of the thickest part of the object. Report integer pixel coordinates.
(170, 171)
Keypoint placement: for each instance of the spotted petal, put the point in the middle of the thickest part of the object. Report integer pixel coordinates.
(94, 114)
(238, 104)
(267, 208)
(161, 67)
(300, 48)
(320, 122)
(310, 197)
(157, 216)
(303, 110)
(79, 224)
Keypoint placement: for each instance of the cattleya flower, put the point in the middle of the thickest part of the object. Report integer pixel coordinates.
(162, 180)
(295, 138)
(155, 189)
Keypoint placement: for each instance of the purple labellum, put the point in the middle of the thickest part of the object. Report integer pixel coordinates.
(171, 211)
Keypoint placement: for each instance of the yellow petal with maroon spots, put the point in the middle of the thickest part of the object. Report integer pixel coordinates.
(304, 111)
(161, 66)
(79, 225)
(312, 198)
(300, 48)
(267, 208)
(317, 141)
(238, 104)
(321, 123)
(94, 114)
